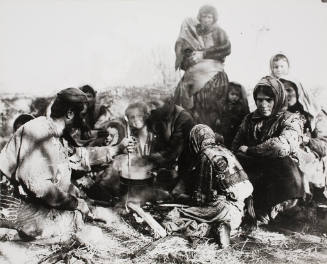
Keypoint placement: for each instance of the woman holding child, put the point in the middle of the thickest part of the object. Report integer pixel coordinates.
(201, 49)
(267, 147)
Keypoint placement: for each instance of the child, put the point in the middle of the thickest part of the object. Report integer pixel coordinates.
(279, 65)
(115, 131)
(115, 134)
(231, 112)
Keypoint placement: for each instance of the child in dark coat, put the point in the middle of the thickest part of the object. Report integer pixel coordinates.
(233, 108)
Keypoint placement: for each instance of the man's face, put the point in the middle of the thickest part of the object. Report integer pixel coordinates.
(206, 19)
(136, 118)
(90, 99)
(280, 68)
(265, 104)
(78, 120)
(291, 94)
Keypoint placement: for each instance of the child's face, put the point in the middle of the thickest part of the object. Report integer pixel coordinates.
(233, 96)
(280, 68)
(136, 118)
(112, 138)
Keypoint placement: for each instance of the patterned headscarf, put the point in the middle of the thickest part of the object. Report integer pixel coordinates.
(277, 88)
(201, 137)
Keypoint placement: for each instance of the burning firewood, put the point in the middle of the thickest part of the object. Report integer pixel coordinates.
(158, 229)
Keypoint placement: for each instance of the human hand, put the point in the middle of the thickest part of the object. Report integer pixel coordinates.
(243, 149)
(128, 144)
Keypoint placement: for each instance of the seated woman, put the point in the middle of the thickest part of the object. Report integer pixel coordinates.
(267, 146)
(201, 49)
(313, 149)
(220, 187)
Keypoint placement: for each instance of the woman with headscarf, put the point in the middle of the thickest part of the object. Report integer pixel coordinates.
(220, 186)
(201, 49)
(267, 145)
(313, 149)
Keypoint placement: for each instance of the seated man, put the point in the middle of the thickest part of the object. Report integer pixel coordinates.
(38, 164)
(95, 120)
(171, 125)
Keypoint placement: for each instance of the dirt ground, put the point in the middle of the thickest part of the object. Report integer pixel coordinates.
(299, 237)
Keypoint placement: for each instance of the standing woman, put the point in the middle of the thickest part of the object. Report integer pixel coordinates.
(201, 49)
(267, 145)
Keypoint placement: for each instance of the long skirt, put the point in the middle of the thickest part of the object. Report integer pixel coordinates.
(198, 221)
(203, 104)
(274, 180)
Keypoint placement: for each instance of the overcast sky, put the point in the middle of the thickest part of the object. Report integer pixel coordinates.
(48, 45)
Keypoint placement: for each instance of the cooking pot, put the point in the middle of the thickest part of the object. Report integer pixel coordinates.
(132, 167)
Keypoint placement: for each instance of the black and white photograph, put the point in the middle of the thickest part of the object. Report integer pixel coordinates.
(163, 131)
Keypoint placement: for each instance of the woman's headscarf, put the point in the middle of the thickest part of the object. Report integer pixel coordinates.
(201, 137)
(277, 88)
(208, 9)
(305, 99)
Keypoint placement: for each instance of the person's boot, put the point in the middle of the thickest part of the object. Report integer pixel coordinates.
(320, 195)
(223, 235)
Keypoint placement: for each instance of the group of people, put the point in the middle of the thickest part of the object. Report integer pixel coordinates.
(203, 146)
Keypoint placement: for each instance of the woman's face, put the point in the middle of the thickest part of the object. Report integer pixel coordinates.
(291, 94)
(206, 19)
(136, 118)
(265, 104)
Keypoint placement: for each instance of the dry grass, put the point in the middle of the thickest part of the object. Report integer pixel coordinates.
(118, 242)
